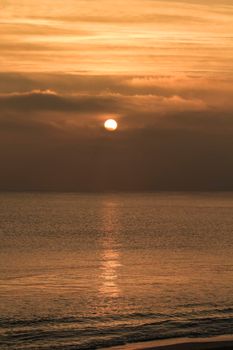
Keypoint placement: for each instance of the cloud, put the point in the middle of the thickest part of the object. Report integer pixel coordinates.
(40, 100)
(72, 101)
(142, 159)
(175, 133)
(140, 36)
(83, 110)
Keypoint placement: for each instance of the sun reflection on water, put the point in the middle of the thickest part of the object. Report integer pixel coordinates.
(109, 276)
(110, 257)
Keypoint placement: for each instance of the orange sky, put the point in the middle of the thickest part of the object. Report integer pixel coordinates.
(162, 68)
(112, 37)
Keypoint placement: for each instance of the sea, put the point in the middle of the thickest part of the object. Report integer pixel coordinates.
(91, 271)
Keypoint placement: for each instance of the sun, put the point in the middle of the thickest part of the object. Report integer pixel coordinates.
(110, 125)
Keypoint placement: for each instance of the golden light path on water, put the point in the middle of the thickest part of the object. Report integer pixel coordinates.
(110, 257)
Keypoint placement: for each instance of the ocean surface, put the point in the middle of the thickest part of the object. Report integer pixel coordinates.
(84, 271)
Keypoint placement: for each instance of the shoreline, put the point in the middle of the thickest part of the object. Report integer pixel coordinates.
(215, 343)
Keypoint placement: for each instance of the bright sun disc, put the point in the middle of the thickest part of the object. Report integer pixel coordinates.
(110, 125)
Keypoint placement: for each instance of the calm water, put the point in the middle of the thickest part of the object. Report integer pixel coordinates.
(88, 271)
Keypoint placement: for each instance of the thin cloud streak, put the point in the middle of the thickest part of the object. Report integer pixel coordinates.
(146, 37)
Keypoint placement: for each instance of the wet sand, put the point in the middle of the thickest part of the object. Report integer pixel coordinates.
(216, 343)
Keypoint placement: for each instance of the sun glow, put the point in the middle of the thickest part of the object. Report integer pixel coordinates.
(110, 125)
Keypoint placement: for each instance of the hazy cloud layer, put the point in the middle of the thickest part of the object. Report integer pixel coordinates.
(174, 133)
